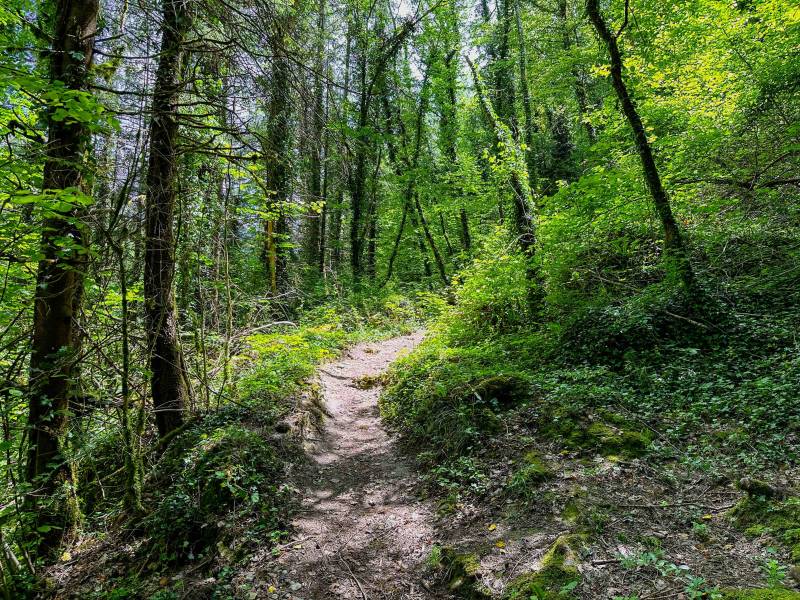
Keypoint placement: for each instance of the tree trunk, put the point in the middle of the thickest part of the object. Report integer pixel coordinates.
(316, 215)
(372, 240)
(278, 161)
(396, 246)
(526, 100)
(674, 244)
(525, 223)
(506, 95)
(358, 187)
(169, 383)
(336, 217)
(323, 215)
(431, 242)
(423, 249)
(524, 220)
(411, 193)
(449, 132)
(59, 289)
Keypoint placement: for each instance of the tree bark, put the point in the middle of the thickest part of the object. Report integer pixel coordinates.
(168, 380)
(369, 74)
(449, 132)
(524, 206)
(359, 179)
(316, 216)
(59, 288)
(423, 249)
(525, 223)
(278, 160)
(323, 216)
(674, 244)
(526, 99)
(431, 242)
(336, 217)
(396, 245)
(506, 94)
(411, 193)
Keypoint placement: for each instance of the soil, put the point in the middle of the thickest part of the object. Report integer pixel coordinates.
(362, 532)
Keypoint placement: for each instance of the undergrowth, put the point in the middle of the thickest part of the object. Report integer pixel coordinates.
(641, 374)
(218, 490)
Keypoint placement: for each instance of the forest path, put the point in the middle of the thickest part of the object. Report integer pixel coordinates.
(361, 533)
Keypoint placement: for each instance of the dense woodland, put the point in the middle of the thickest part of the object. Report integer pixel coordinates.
(591, 206)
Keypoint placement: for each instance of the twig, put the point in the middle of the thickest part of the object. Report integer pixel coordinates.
(610, 561)
(673, 505)
(353, 575)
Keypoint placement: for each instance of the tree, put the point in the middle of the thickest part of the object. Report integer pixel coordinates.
(526, 98)
(524, 221)
(278, 165)
(168, 379)
(578, 77)
(674, 243)
(371, 64)
(318, 213)
(56, 341)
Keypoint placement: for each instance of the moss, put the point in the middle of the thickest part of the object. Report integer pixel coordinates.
(462, 574)
(487, 421)
(505, 390)
(557, 575)
(759, 515)
(756, 488)
(575, 506)
(367, 382)
(605, 432)
(532, 471)
(761, 594)
(572, 511)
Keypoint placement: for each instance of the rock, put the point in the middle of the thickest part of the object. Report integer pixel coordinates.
(794, 573)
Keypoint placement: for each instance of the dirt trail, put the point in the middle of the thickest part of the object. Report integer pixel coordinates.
(361, 533)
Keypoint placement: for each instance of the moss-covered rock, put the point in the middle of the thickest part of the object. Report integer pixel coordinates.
(556, 577)
(505, 390)
(761, 594)
(533, 470)
(462, 574)
(759, 515)
(602, 432)
(756, 488)
(575, 506)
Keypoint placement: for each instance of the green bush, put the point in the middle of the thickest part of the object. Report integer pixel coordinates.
(451, 397)
(214, 480)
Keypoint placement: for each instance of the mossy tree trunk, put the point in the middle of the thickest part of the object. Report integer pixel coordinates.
(278, 166)
(674, 243)
(169, 385)
(59, 287)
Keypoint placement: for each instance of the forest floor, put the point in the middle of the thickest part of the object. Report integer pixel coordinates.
(367, 529)
(362, 531)
(370, 524)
